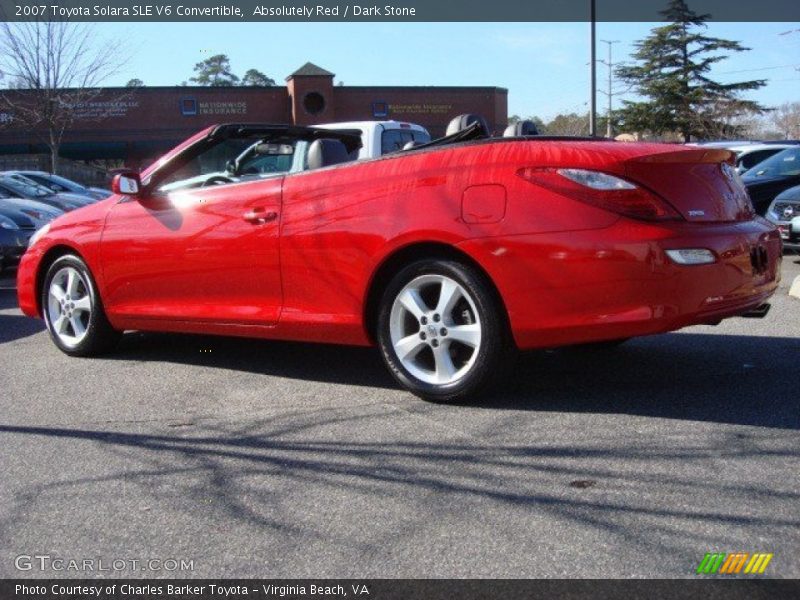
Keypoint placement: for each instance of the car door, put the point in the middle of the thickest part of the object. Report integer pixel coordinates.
(205, 254)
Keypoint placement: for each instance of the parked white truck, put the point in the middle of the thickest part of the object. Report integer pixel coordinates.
(269, 160)
(382, 137)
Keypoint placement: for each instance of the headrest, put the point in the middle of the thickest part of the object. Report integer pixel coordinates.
(521, 128)
(461, 122)
(326, 152)
(411, 144)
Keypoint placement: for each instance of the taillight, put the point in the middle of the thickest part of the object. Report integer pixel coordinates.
(603, 191)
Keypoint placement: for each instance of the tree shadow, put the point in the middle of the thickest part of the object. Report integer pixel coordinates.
(254, 474)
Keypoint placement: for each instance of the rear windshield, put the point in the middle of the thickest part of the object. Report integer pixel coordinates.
(393, 140)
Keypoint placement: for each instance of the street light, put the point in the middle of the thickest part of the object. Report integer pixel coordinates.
(592, 70)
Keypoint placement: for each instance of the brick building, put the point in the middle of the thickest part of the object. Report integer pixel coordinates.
(148, 121)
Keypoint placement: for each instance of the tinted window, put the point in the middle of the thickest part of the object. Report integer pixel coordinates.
(393, 140)
(756, 157)
(784, 163)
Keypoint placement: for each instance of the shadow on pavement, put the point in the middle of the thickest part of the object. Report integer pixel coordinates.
(262, 474)
(745, 380)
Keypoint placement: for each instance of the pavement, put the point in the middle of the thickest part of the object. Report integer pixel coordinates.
(269, 459)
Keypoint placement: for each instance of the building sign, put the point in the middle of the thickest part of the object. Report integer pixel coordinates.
(421, 109)
(222, 108)
(188, 107)
(380, 110)
(103, 110)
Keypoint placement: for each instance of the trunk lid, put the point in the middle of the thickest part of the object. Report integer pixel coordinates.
(701, 184)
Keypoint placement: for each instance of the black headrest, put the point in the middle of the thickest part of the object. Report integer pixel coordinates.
(521, 128)
(326, 152)
(461, 122)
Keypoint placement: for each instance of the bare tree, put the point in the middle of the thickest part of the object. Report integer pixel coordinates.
(51, 71)
(787, 120)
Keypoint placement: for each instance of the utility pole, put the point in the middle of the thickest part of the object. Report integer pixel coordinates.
(592, 70)
(610, 93)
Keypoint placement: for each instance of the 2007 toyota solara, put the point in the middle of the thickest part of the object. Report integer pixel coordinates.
(447, 255)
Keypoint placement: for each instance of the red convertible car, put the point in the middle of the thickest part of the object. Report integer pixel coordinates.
(448, 256)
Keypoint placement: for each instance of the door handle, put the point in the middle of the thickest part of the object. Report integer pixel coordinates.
(259, 216)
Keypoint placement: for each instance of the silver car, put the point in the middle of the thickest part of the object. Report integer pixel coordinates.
(785, 213)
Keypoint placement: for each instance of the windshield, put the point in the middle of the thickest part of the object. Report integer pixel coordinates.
(25, 187)
(782, 164)
(57, 183)
(233, 160)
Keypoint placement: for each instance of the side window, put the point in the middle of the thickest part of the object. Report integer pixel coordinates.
(392, 140)
(753, 159)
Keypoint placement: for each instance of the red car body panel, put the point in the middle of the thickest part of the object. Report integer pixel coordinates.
(566, 271)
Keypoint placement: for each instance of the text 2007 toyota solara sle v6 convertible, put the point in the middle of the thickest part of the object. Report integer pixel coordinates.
(447, 256)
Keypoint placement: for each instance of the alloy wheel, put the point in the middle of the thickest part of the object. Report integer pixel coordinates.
(435, 329)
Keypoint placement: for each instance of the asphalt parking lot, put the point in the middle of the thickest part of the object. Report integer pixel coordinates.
(267, 459)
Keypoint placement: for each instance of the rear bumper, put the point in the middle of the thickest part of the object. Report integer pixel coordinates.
(577, 287)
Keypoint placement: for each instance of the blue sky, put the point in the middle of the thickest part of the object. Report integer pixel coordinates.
(543, 65)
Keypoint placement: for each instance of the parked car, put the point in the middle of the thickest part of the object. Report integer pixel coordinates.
(20, 187)
(41, 214)
(447, 257)
(784, 211)
(770, 177)
(382, 137)
(16, 229)
(56, 183)
(750, 155)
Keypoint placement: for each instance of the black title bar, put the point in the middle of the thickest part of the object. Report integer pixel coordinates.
(400, 589)
(392, 11)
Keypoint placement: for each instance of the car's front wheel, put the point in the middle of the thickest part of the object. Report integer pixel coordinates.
(442, 331)
(73, 311)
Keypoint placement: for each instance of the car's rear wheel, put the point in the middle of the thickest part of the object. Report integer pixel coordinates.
(442, 331)
(73, 311)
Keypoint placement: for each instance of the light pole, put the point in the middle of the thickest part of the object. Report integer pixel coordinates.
(592, 70)
(610, 93)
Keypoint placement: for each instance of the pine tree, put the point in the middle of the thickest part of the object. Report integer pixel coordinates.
(671, 74)
(254, 77)
(214, 71)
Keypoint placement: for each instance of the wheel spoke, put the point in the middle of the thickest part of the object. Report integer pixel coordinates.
(60, 324)
(469, 335)
(83, 304)
(57, 292)
(72, 282)
(413, 302)
(445, 369)
(448, 297)
(77, 326)
(408, 347)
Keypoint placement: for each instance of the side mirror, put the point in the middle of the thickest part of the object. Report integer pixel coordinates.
(230, 166)
(127, 183)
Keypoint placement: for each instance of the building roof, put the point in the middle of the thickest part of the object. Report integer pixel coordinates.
(311, 70)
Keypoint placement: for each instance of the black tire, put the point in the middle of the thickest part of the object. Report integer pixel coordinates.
(100, 336)
(495, 352)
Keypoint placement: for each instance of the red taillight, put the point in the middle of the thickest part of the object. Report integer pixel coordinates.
(630, 201)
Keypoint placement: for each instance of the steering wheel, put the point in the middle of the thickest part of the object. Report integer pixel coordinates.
(216, 180)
